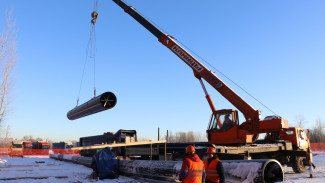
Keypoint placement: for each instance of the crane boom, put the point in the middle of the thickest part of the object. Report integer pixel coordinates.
(200, 71)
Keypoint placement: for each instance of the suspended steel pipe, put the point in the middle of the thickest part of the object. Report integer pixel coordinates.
(100, 103)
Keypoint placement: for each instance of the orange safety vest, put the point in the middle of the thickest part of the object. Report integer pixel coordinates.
(211, 170)
(195, 172)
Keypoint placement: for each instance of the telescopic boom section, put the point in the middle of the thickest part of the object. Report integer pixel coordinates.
(199, 69)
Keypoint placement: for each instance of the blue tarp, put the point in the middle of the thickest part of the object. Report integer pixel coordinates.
(105, 164)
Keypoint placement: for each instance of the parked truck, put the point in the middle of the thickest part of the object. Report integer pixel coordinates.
(16, 148)
(27, 148)
(62, 145)
(40, 148)
(63, 148)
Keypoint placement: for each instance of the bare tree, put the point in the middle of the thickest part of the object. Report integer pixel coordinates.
(8, 59)
(300, 120)
(317, 133)
(182, 137)
(199, 137)
(39, 139)
(26, 138)
(190, 136)
(7, 133)
(186, 137)
(171, 137)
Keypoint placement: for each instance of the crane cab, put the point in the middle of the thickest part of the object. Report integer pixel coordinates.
(223, 120)
(224, 129)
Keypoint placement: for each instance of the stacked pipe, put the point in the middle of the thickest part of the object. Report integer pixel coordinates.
(268, 170)
(249, 171)
(86, 161)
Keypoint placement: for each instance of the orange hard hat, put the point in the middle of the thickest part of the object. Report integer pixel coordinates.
(211, 150)
(190, 149)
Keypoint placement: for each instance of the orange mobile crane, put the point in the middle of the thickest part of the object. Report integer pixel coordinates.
(296, 150)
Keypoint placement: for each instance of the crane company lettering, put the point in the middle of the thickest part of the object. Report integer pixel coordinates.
(183, 55)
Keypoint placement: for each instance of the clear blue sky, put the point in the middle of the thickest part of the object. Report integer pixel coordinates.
(273, 49)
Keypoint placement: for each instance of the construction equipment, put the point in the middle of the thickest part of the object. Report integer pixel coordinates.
(230, 131)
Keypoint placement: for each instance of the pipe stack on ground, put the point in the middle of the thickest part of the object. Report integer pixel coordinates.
(248, 171)
(86, 161)
(159, 170)
(268, 170)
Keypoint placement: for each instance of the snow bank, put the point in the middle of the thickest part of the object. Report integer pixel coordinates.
(247, 172)
(45, 170)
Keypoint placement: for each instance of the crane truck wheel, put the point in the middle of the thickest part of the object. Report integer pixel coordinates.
(298, 164)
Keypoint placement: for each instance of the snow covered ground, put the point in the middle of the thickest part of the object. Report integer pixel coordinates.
(46, 170)
(318, 173)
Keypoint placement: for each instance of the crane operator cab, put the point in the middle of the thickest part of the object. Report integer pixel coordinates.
(224, 129)
(223, 120)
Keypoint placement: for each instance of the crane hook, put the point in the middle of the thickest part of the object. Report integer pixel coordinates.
(94, 15)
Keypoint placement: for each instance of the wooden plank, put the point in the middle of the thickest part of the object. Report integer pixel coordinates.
(119, 145)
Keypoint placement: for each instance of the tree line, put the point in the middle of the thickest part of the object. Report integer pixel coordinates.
(317, 133)
(175, 137)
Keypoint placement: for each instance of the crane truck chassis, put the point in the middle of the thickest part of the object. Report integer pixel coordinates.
(289, 145)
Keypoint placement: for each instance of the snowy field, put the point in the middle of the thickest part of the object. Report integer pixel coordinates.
(46, 170)
(318, 173)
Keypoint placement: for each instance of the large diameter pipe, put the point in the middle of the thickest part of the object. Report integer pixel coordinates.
(86, 161)
(261, 170)
(159, 170)
(100, 103)
(249, 171)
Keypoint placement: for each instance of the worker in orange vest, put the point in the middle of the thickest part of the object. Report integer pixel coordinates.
(192, 170)
(213, 167)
